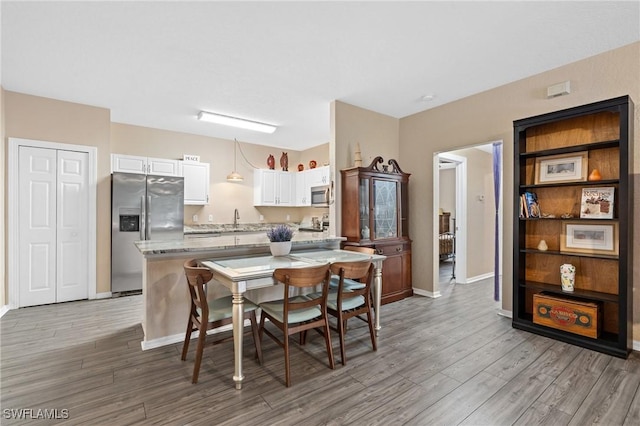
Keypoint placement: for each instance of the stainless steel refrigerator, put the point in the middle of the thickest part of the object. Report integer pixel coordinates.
(143, 207)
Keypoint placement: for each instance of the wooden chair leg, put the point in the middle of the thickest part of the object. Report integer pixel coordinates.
(287, 370)
(327, 339)
(256, 335)
(196, 367)
(187, 338)
(341, 330)
(261, 328)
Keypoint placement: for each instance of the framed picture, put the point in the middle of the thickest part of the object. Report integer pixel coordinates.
(579, 237)
(597, 203)
(561, 168)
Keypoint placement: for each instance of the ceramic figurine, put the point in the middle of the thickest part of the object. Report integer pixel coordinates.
(271, 162)
(300, 167)
(595, 175)
(542, 246)
(357, 162)
(284, 162)
(312, 164)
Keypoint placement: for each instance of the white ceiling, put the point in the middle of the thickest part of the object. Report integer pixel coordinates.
(157, 64)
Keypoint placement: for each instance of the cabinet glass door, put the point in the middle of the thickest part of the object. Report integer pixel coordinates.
(385, 219)
(364, 209)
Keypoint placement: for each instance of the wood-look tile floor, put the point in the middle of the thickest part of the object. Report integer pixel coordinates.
(444, 361)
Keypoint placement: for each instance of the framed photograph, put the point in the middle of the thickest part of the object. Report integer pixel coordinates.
(561, 168)
(579, 237)
(597, 203)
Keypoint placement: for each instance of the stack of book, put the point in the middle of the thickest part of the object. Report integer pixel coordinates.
(529, 207)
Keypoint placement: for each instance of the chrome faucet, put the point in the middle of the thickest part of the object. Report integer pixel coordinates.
(236, 218)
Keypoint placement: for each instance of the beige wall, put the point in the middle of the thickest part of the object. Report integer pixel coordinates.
(376, 133)
(447, 188)
(33, 117)
(489, 116)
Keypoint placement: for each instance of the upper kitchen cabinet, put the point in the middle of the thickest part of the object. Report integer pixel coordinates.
(273, 188)
(303, 194)
(318, 177)
(196, 182)
(307, 179)
(144, 165)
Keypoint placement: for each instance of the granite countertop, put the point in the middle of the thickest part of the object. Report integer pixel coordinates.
(217, 228)
(225, 242)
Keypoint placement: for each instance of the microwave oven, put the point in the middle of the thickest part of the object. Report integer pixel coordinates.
(320, 196)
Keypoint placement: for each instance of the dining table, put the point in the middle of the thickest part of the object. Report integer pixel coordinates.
(242, 273)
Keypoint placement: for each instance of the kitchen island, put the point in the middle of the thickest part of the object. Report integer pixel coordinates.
(164, 288)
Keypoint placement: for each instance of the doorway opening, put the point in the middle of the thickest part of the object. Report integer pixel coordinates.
(464, 217)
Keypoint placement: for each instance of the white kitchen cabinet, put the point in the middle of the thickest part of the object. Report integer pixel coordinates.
(303, 193)
(196, 182)
(144, 165)
(273, 188)
(318, 176)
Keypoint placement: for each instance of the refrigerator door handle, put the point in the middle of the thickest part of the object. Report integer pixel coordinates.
(143, 219)
(148, 225)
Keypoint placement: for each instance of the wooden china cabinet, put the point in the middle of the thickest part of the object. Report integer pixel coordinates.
(375, 213)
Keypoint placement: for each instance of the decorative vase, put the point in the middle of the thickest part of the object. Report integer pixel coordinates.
(542, 246)
(281, 248)
(312, 164)
(567, 277)
(271, 162)
(284, 161)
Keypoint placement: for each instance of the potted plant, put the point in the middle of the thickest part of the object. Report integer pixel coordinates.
(280, 237)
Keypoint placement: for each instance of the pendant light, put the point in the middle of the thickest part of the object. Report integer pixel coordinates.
(234, 176)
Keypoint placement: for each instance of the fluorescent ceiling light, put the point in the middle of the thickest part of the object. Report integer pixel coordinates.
(235, 122)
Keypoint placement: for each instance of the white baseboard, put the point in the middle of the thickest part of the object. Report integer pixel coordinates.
(636, 345)
(471, 280)
(162, 341)
(505, 313)
(105, 295)
(420, 292)
(177, 338)
(4, 310)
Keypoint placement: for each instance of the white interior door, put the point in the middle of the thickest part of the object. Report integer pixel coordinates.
(72, 226)
(37, 198)
(53, 225)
